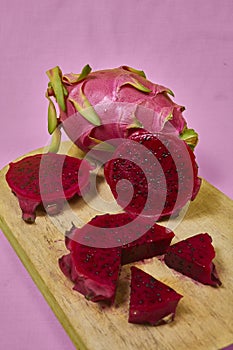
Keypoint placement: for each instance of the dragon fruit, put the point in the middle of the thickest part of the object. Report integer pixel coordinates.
(153, 174)
(107, 104)
(151, 301)
(94, 271)
(153, 242)
(193, 257)
(138, 239)
(49, 179)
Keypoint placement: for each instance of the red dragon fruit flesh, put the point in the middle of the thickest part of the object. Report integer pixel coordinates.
(151, 301)
(106, 104)
(94, 271)
(193, 257)
(138, 239)
(159, 174)
(46, 178)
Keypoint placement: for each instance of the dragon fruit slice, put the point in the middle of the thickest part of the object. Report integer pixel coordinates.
(161, 174)
(138, 239)
(46, 178)
(106, 104)
(151, 301)
(193, 257)
(94, 271)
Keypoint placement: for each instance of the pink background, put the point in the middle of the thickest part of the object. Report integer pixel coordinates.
(185, 45)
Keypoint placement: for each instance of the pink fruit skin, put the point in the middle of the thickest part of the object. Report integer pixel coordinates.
(174, 185)
(49, 178)
(151, 301)
(137, 239)
(107, 87)
(94, 271)
(193, 258)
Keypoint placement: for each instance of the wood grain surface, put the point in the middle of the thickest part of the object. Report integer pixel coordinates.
(204, 318)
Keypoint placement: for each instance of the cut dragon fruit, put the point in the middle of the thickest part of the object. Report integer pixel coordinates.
(160, 168)
(151, 301)
(94, 271)
(193, 257)
(138, 239)
(106, 104)
(49, 179)
(152, 243)
(104, 107)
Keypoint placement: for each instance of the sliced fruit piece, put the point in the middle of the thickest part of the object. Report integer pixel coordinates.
(158, 169)
(151, 301)
(49, 179)
(193, 258)
(138, 239)
(94, 271)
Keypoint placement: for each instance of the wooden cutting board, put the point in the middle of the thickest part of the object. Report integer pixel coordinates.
(204, 318)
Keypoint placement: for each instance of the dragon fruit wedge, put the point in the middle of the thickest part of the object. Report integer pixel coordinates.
(137, 239)
(104, 105)
(94, 271)
(151, 301)
(49, 179)
(153, 174)
(193, 257)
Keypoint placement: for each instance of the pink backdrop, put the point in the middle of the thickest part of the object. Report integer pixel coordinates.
(185, 45)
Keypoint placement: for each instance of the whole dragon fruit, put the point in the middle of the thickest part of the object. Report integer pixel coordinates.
(159, 173)
(107, 104)
(49, 179)
(151, 301)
